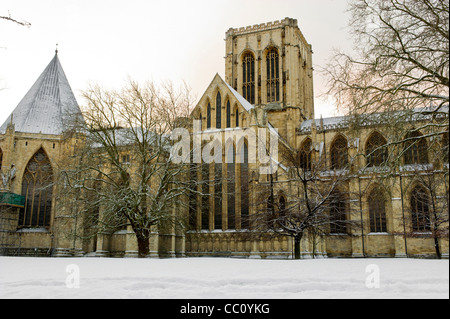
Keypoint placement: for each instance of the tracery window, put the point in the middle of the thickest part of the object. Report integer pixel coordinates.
(205, 197)
(37, 187)
(420, 210)
(237, 117)
(244, 175)
(339, 153)
(218, 196)
(193, 196)
(338, 215)
(248, 80)
(377, 211)
(228, 114)
(231, 187)
(305, 155)
(1, 159)
(218, 110)
(282, 206)
(208, 116)
(376, 152)
(415, 149)
(273, 76)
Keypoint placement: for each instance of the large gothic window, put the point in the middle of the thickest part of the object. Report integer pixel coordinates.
(37, 187)
(205, 197)
(193, 196)
(415, 149)
(339, 154)
(244, 175)
(338, 216)
(218, 110)
(1, 158)
(218, 196)
(377, 211)
(228, 114)
(231, 187)
(208, 116)
(376, 152)
(305, 155)
(248, 77)
(273, 76)
(420, 210)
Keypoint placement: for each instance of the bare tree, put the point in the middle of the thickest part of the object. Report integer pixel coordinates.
(318, 202)
(428, 189)
(397, 78)
(121, 174)
(401, 58)
(11, 19)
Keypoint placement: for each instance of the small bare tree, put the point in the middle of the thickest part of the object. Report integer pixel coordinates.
(122, 174)
(318, 201)
(11, 19)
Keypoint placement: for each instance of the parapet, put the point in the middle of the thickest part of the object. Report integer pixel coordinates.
(262, 27)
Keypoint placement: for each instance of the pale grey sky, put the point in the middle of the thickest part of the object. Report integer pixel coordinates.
(106, 41)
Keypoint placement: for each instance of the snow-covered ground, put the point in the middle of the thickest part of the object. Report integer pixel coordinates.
(211, 278)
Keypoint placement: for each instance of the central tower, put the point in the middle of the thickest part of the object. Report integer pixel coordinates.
(270, 65)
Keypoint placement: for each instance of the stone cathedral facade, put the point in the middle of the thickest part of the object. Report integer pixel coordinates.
(267, 89)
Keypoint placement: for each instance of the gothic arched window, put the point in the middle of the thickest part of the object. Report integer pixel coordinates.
(415, 149)
(228, 114)
(231, 186)
(338, 213)
(1, 158)
(305, 155)
(208, 116)
(273, 76)
(376, 152)
(377, 211)
(244, 176)
(248, 77)
(205, 197)
(37, 187)
(237, 117)
(218, 110)
(339, 154)
(282, 206)
(420, 210)
(218, 196)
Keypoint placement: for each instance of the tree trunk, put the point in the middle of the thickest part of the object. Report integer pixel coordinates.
(297, 239)
(143, 241)
(436, 246)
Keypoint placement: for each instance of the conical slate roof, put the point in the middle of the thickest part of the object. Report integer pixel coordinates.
(48, 105)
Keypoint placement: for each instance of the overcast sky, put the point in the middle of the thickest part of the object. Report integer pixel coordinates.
(105, 41)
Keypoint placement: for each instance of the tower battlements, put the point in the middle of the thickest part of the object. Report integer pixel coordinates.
(262, 27)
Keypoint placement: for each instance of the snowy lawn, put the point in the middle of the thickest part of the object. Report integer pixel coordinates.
(211, 278)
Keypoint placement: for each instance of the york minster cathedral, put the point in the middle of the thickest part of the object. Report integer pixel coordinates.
(267, 93)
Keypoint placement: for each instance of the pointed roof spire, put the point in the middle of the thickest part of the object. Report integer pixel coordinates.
(47, 105)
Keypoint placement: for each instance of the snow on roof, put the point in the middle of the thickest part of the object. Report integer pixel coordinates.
(339, 122)
(246, 104)
(47, 106)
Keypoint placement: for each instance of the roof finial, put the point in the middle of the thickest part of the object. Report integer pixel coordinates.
(56, 50)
